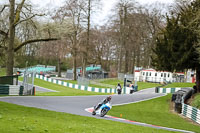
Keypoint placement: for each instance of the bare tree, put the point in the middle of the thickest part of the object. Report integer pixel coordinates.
(9, 34)
(73, 10)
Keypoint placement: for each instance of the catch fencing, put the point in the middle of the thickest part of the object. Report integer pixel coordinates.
(28, 83)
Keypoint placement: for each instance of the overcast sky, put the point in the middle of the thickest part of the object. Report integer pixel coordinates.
(99, 17)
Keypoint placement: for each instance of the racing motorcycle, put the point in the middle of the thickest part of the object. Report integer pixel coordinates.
(103, 110)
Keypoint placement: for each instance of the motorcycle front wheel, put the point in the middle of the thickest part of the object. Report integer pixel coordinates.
(103, 112)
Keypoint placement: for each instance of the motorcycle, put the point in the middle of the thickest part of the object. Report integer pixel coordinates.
(103, 110)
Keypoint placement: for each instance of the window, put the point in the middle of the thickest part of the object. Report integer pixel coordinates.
(146, 73)
(165, 75)
(143, 73)
(150, 74)
(155, 74)
(161, 74)
(168, 74)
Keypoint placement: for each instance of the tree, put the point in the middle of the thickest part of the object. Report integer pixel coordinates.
(73, 9)
(10, 33)
(177, 45)
(86, 45)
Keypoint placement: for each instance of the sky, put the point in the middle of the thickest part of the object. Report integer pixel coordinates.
(99, 17)
(102, 15)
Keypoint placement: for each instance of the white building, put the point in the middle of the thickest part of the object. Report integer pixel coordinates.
(151, 75)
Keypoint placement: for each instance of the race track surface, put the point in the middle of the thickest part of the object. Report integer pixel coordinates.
(75, 104)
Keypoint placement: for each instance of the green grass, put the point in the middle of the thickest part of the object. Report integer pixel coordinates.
(63, 91)
(2, 71)
(20, 119)
(112, 82)
(174, 85)
(145, 85)
(196, 101)
(90, 85)
(71, 81)
(155, 112)
(141, 85)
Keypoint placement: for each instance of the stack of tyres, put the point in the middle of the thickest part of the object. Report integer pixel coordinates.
(181, 96)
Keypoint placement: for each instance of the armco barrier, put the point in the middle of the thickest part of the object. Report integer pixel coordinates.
(81, 87)
(11, 90)
(167, 90)
(191, 112)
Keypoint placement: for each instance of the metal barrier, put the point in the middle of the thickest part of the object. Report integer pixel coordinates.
(11, 90)
(28, 83)
(83, 81)
(9, 80)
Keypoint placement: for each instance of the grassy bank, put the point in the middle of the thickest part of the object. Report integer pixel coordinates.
(156, 111)
(141, 85)
(196, 101)
(66, 91)
(62, 90)
(2, 71)
(19, 119)
(90, 85)
(174, 85)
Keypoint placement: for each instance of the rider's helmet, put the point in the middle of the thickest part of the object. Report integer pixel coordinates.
(118, 84)
(109, 98)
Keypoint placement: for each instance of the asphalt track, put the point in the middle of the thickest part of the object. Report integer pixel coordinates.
(80, 105)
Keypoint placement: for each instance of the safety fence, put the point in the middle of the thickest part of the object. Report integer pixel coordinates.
(191, 112)
(179, 97)
(81, 87)
(166, 90)
(9, 80)
(11, 90)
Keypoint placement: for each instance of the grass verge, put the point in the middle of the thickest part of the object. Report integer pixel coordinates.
(90, 85)
(2, 71)
(141, 85)
(174, 85)
(156, 112)
(196, 101)
(63, 91)
(19, 119)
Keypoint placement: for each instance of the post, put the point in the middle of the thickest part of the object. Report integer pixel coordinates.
(125, 84)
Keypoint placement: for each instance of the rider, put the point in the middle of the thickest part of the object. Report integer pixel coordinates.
(119, 88)
(108, 99)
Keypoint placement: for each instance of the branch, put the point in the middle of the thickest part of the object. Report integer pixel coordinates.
(3, 33)
(28, 18)
(18, 11)
(32, 41)
(3, 8)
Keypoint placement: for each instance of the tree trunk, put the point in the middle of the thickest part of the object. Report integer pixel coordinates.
(74, 55)
(138, 56)
(59, 67)
(198, 79)
(88, 40)
(120, 61)
(134, 55)
(74, 66)
(84, 66)
(126, 62)
(10, 50)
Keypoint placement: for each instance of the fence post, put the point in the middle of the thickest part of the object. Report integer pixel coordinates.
(33, 91)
